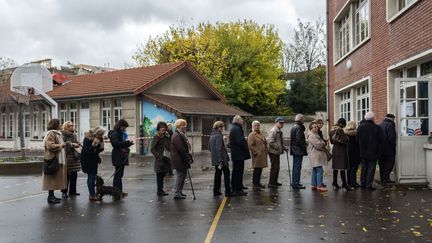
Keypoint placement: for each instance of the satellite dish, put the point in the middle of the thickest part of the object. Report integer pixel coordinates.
(31, 77)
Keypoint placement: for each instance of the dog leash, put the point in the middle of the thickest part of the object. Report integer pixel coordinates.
(115, 172)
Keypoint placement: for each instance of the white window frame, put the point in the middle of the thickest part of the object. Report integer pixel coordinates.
(11, 126)
(361, 13)
(63, 114)
(44, 122)
(73, 114)
(362, 97)
(117, 110)
(345, 105)
(393, 10)
(348, 11)
(26, 124)
(35, 124)
(106, 115)
(3, 126)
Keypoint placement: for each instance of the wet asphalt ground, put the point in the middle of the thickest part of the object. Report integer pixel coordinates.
(392, 214)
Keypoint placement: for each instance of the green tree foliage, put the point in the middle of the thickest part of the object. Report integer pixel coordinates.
(307, 91)
(242, 59)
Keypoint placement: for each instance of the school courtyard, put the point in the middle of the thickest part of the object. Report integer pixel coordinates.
(392, 214)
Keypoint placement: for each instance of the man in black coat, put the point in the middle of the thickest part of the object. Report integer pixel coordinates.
(388, 156)
(120, 152)
(370, 139)
(298, 150)
(239, 153)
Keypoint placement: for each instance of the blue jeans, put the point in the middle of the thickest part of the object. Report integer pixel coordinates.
(297, 165)
(317, 176)
(91, 180)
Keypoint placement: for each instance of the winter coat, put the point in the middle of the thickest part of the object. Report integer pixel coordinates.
(389, 132)
(90, 158)
(316, 150)
(298, 140)
(160, 148)
(72, 156)
(275, 141)
(217, 149)
(57, 181)
(120, 151)
(180, 156)
(238, 144)
(259, 150)
(339, 140)
(370, 138)
(353, 148)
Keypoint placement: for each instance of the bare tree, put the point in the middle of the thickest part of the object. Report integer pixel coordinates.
(307, 47)
(6, 62)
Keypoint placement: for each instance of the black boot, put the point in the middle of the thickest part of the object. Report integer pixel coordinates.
(335, 184)
(52, 200)
(344, 181)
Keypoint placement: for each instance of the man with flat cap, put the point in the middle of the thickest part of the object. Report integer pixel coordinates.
(388, 153)
(275, 149)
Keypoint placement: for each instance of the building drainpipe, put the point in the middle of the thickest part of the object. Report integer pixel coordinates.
(327, 68)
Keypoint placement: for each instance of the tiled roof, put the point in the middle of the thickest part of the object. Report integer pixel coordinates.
(190, 105)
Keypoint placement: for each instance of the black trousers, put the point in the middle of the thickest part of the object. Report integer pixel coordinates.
(217, 179)
(352, 173)
(117, 181)
(274, 169)
(160, 181)
(71, 182)
(386, 165)
(237, 175)
(367, 173)
(256, 176)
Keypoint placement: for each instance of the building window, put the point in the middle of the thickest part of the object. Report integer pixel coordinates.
(3, 126)
(414, 103)
(11, 125)
(73, 111)
(412, 72)
(397, 7)
(85, 105)
(345, 105)
(26, 125)
(362, 99)
(351, 27)
(106, 114)
(117, 110)
(44, 122)
(189, 123)
(426, 68)
(361, 21)
(35, 124)
(196, 124)
(63, 113)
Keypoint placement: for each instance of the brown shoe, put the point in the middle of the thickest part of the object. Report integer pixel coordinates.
(95, 198)
(124, 194)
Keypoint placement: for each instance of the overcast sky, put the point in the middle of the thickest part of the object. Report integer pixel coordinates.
(98, 32)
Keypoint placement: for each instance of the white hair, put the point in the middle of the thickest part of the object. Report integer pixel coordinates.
(370, 116)
(255, 123)
(237, 119)
(299, 117)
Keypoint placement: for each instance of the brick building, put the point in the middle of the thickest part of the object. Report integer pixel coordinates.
(380, 59)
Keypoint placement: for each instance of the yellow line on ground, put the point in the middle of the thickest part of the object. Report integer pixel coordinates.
(215, 221)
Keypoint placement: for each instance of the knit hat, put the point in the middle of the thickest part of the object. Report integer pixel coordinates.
(390, 116)
(342, 122)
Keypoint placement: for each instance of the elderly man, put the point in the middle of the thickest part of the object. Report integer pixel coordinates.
(275, 149)
(239, 153)
(370, 139)
(298, 150)
(387, 160)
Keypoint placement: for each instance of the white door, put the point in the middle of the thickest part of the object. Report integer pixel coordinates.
(413, 124)
(84, 122)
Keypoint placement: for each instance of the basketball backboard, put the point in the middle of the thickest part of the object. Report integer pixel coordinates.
(30, 77)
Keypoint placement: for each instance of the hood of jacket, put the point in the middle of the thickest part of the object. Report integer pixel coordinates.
(350, 132)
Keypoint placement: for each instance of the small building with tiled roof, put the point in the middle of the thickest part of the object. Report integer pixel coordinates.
(143, 96)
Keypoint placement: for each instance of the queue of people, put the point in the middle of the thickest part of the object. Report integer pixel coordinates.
(351, 147)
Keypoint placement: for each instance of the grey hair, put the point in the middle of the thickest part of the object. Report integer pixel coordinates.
(370, 116)
(237, 118)
(255, 123)
(98, 130)
(299, 117)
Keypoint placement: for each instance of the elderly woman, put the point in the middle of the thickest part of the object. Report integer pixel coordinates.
(258, 147)
(220, 159)
(180, 157)
(72, 158)
(93, 144)
(160, 147)
(353, 153)
(317, 157)
(339, 153)
(54, 149)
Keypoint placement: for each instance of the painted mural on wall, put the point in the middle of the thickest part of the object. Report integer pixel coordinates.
(152, 114)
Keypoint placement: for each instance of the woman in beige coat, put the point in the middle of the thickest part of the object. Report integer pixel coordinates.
(317, 157)
(258, 147)
(54, 147)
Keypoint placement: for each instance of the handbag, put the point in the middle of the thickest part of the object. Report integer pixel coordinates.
(328, 154)
(51, 166)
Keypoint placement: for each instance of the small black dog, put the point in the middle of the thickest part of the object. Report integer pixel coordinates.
(102, 190)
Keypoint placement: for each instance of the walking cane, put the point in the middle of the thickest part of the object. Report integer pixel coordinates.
(289, 170)
(190, 180)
